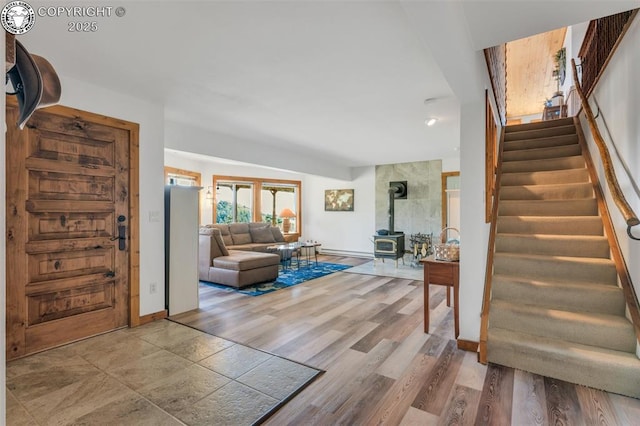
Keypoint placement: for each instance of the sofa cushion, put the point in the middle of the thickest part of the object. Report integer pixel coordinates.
(239, 228)
(277, 234)
(217, 236)
(239, 239)
(217, 245)
(261, 235)
(224, 230)
(245, 260)
(258, 225)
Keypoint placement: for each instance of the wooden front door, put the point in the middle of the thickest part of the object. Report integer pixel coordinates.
(67, 207)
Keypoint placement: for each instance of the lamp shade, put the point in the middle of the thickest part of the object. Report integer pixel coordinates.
(287, 213)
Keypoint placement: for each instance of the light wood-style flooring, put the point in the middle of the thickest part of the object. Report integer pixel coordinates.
(366, 332)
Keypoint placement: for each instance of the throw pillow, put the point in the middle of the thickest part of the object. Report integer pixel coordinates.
(277, 234)
(239, 239)
(262, 235)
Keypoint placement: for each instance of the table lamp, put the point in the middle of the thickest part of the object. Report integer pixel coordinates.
(286, 214)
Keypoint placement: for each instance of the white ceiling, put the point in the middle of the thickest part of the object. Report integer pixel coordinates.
(344, 81)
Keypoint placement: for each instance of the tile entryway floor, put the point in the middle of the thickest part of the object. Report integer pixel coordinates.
(161, 373)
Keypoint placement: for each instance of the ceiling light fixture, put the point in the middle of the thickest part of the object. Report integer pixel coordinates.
(430, 121)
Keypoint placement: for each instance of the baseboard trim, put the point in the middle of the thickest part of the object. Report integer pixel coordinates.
(153, 317)
(332, 252)
(468, 345)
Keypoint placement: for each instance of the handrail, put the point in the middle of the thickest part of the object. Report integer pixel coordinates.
(486, 300)
(628, 214)
(626, 284)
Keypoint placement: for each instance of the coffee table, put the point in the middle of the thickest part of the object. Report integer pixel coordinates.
(308, 250)
(286, 252)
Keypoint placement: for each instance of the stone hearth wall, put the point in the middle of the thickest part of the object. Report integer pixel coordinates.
(422, 210)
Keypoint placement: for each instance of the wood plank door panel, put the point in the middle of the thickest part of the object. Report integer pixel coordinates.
(67, 193)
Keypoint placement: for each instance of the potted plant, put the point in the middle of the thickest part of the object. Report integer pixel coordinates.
(559, 74)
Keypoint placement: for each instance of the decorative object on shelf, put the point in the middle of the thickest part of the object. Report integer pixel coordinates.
(338, 200)
(447, 249)
(286, 215)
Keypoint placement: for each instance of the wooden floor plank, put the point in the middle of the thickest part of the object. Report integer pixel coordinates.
(435, 390)
(627, 409)
(393, 406)
(529, 399)
(496, 398)
(471, 373)
(415, 417)
(563, 407)
(462, 407)
(596, 407)
(400, 360)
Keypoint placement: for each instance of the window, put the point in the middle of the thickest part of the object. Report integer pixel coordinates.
(279, 204)
(233, 202)
(244, 199)
(173, 176)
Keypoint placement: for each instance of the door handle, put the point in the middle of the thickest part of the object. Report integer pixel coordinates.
(110, 274)
(122, 234)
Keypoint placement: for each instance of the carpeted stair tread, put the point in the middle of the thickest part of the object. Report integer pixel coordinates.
(536, 266)
(578, 207)
(562, 191)
(574, 296)
(564, 163)
(540, 125)
(612, 371)
(542, 153)
(560, 225)
(541, 142)
(544, 177)
(556, 306)
(613, 332)
(554, 245)
(539, 133)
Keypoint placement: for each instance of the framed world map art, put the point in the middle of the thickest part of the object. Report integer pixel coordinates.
(338, 200)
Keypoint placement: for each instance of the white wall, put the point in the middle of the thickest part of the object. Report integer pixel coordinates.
(451, 164)
(618, 94)
(342, 232)
(84, 96)
(474, 232)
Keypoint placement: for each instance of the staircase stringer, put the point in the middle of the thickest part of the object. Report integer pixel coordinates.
(630, 296)
(486, 300)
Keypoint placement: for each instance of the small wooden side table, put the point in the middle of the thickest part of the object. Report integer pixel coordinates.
(445, 273)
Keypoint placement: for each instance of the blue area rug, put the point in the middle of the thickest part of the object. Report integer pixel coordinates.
(287, 278)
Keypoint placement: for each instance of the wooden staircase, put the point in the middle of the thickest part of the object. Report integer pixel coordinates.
(556, 307)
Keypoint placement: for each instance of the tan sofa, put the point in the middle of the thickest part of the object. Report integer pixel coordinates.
(254, 236)
(236, 268)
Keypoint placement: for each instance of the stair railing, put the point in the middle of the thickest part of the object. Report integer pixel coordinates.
(628, 214)
(628, 290)
(486, 300)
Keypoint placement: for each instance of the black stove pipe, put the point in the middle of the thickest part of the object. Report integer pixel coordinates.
(392, 196)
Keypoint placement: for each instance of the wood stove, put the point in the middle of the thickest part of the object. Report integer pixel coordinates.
(388, 243)
(389, 247)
